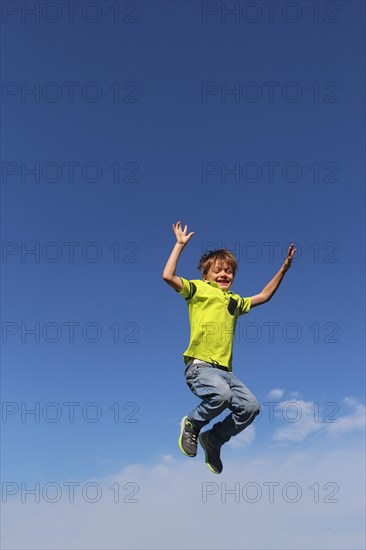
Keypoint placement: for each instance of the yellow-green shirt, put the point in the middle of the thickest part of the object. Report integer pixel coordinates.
(213, 314)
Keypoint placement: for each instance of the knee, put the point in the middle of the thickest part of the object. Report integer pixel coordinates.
(249, 409)
(254, 408)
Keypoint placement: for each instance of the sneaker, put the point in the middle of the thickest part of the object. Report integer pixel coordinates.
(188, 437)
(212, 454)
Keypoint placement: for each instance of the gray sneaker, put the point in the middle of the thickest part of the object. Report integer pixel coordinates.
(212, 454)
(188, 437)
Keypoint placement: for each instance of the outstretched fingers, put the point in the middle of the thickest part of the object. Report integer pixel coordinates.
(291, 251)
(181, 234)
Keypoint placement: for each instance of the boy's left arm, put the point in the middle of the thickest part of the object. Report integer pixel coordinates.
(273, 285)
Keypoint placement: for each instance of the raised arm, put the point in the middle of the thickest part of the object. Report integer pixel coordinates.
(182, 238)
(273, 285)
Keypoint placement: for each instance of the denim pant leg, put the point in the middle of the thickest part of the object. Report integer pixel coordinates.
(244, 407)
(212, 386)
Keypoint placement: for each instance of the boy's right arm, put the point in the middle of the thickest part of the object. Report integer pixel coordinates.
(169, 271)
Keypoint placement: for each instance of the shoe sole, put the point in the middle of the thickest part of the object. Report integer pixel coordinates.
(202, 441)
(181, 436)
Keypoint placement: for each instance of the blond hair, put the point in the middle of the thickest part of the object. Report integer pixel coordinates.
(209, 258)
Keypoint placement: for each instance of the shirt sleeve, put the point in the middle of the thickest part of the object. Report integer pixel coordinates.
(188, 290)
(245, 305)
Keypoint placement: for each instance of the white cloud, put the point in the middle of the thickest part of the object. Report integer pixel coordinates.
(354, 421)
(303, 418)
(276, 394)
(350, 401)
(273, 500)
(274, 497)
(299, 421)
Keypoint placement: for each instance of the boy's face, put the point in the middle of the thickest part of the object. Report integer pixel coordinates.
(221, 273)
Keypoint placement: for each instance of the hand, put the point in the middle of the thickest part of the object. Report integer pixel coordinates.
(290, 254)
(181, 234)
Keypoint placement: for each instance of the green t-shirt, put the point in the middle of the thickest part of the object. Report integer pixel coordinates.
(212, 314)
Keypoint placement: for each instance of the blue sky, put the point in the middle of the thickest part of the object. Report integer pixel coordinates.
(252, 133)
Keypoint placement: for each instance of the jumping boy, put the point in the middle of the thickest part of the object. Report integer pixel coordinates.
(213, 313)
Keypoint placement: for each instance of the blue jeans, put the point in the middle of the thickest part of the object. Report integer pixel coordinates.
(220, 390)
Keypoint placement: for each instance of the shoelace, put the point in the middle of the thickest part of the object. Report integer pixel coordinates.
(193, 435)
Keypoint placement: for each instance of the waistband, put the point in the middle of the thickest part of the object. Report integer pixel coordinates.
(213, 364)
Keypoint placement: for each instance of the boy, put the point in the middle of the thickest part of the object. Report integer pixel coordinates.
(213, 312)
